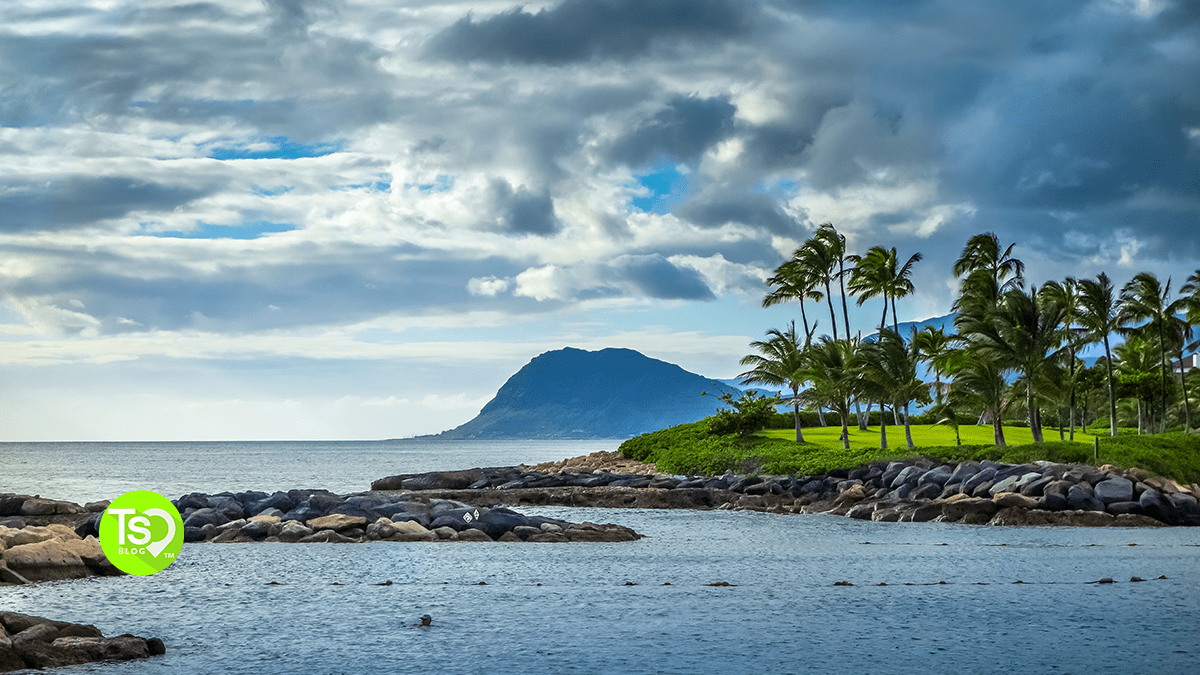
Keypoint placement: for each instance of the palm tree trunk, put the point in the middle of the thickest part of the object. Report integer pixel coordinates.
(832, 316)
(804, 318)
(907, 429)
(1112, 398)
(1072, 396)
(882, 429)
(1162, 344)
(997, 430)
(842, 284)
(821, 416)
(845, 432)
(796, 417)
(1187, 408)
(1034, 423)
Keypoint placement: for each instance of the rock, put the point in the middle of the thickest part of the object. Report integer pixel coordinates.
(325, 537)
(922, 514)
(48, 507)
(909, 474)
(1118, 508)
(97, 507)
(1007, 499)
(861, 511)
(1006, 485)
(964, 471)
(1114, 489)
(1052, 501)
(411, 530)
(983, 476)
(473, 534)
(525, 531)
(258, 528)
(47, 560)
(292, 531)
(435, 480)
(959, 508)
(497, 521)
(1037, 487)
(925, 491)
(547, 538)
(337, 522)
(1058, 487)
(939, 476)
(1080, 498)
(446, 533)
(1154, 505)
(205, 516)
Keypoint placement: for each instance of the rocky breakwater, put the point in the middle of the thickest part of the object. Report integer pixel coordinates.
(306, 516)
(40, 541)
(33, 642)
(1039, 493)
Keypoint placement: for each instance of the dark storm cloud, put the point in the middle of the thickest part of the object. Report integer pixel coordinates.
(580, 30)
(751, 209)
(682, 131)
(522, 211)
(655, 277)
(79, 201)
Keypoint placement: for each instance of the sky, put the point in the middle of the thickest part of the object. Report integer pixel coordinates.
(355, 219)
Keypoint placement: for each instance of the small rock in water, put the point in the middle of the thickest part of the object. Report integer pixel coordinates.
(1135, 579)
(842, 583)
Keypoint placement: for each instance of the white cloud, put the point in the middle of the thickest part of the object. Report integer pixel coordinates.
(488, 286)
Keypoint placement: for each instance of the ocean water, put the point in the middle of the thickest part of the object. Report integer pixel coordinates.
(645, 606)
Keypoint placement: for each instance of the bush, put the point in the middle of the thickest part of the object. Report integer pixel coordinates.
(750, 414)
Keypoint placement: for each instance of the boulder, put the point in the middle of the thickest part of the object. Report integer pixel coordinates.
(1115, 489)
(205, 516)
(411, 530)
(497, 521)
(1006, 485)
(1007, 499)
(957, 509)
(1154, 505)
(337, 522)
(473, 534)
(939, 476)
(1037, 487)
(1052, 501)
(909, 474)
(984, 475)
(922, 514)
(47, 560)
(1080, 498)
(964, 471)
(1119, 508)
(925, 491)
(293, 530)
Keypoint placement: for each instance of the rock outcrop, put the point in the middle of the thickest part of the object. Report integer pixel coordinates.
(1039, 493)
(33, 642)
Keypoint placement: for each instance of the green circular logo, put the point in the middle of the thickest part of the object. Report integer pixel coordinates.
(141, 532)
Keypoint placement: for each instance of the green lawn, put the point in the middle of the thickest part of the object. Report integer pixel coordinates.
(924, 436)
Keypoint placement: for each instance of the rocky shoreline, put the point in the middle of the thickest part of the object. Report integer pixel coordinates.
(1038, 493)
(47, 540)
(33, 642)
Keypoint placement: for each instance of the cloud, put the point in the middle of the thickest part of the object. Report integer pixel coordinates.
(580, 30)
(640, 276)
(521, 211)
(682, 131)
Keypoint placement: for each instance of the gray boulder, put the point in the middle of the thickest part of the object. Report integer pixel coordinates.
(1080, 498)
(984, 475)
(1115, 489)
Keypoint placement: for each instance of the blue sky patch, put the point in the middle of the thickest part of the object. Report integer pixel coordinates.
(667, 187)
(244, 231)
(273, 147)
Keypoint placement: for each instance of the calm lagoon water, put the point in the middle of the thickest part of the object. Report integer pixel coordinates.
(566, 608)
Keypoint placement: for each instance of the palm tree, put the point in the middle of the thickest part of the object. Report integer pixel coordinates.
(1191, 303)
(832, 370)
(1067, 295)
(1144, 298)
(979, 385)
(876, 273)
(1100, 316)
(988, 272)
(934, 346)
(835, 243)
(793, 281)
(889, 370)
(780, 362)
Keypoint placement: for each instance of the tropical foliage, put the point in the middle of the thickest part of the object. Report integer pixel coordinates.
(1012, 357)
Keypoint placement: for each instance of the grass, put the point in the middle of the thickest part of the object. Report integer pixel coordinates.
(924, 436)
(691, 449)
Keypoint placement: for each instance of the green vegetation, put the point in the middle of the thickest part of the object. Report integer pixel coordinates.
(692, 449)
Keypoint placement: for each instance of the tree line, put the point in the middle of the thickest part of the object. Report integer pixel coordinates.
(1013, 352)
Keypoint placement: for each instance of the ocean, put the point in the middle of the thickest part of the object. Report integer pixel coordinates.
(635, 607)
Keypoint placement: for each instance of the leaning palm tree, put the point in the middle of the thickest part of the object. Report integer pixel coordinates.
(934, 346)
(879, 273)
(779, 362)
(1100, 316)
(1191, 304)
(1066, 294)
(818, 260)
(1145, 298)
(979, 385)
(1025, 334)
(835, 243)
(833, 371)
(888, 368)
(793, 281)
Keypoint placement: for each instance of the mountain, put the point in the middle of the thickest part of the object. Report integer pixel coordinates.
(611, 393)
